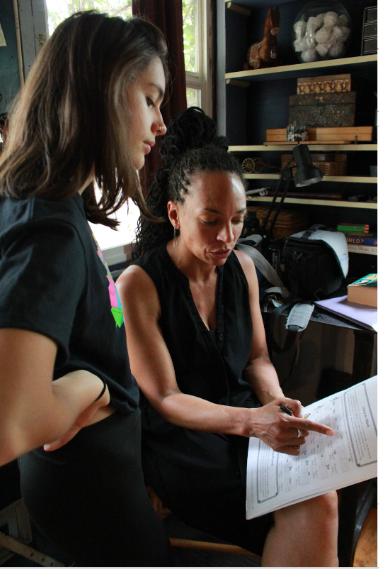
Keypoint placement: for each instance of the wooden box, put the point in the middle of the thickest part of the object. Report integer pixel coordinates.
(276, 134)
(288, 221)
(322, 109)
(324, 84)
(347, 134)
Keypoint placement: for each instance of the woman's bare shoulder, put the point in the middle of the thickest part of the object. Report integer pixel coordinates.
(246, 262)
(135, 283)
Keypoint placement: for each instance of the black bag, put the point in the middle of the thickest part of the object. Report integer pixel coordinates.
(311, 268)
(313, 271)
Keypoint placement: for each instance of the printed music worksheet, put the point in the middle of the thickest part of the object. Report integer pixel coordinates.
(275, 480)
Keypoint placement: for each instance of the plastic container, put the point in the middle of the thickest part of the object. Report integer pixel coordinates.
(321, 31)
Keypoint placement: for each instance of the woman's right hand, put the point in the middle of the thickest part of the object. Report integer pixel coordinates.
(34, 409)
(279, 430)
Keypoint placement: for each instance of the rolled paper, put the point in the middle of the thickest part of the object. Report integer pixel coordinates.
(342, 20)
(321, 49)
(336, 50)
(323, 35)
(320, 19)
(299, 29)
(312, 25)
(309, 55)
(336, 34)
(298, 45)
(308, 41)
(345, 33)
(330, 19)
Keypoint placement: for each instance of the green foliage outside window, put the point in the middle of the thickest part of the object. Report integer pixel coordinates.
(189, 34)
(58, 10)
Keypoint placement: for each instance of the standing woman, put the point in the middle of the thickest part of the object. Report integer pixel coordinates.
(89, 112)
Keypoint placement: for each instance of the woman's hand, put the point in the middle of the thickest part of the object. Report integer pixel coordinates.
(281, 431)
(85, 418)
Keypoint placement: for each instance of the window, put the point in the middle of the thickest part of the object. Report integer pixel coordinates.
(59, 10)
(196, 15)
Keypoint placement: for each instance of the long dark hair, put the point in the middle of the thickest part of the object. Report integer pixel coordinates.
(190, 146)
(72, 114)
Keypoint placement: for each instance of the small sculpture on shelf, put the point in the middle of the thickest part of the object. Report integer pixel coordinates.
(321, 31)
(265, 52)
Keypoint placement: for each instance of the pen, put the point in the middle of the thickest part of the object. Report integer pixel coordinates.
(286, 410)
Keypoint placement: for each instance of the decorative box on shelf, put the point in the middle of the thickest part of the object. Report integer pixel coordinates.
(324, 84)
(322, 109)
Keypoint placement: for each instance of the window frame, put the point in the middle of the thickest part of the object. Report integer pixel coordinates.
(202, 80)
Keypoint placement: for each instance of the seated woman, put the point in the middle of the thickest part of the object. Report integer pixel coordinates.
(197, 349)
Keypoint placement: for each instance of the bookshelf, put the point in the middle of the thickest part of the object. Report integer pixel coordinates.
(248, 102)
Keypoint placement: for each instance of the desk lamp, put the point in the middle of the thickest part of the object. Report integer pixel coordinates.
(305, 175)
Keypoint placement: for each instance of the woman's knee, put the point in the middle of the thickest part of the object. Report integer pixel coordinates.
(320, 511)
(327, 506)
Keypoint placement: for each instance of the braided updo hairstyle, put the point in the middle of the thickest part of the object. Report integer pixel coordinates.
(190, 146)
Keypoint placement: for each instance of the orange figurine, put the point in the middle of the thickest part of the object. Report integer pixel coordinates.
(265, 52)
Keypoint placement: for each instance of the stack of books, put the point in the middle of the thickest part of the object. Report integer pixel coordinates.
(359, 239)
(364, 291)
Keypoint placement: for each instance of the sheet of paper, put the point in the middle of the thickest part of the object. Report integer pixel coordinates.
(275, 480)
(365, 316)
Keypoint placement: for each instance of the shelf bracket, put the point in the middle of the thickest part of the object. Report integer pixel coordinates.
(237, 8)
(238, 82)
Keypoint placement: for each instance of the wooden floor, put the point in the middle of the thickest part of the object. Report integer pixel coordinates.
(366, 550)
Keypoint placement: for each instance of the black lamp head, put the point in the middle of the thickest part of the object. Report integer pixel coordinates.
(306, 173)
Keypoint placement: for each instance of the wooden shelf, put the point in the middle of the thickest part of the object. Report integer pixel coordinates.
(306, 201)
(300, 69)
(256, 4)
(342, 179)
(326, 148)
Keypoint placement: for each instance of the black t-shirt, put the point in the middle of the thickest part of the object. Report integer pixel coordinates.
(54, 280)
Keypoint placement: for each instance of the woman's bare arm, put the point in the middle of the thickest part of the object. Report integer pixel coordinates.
(152, 367)
(34, 410)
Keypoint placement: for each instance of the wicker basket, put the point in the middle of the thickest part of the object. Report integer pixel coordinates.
(287, 223)
(329, 164)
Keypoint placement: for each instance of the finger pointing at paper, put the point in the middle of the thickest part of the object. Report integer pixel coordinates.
(283, 431)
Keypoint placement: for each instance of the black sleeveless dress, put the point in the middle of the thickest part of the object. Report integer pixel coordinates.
(202, 476)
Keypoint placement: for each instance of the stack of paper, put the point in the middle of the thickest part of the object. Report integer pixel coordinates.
(276, 480)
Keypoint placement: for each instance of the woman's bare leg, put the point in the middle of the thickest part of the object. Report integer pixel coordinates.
(304, 535)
